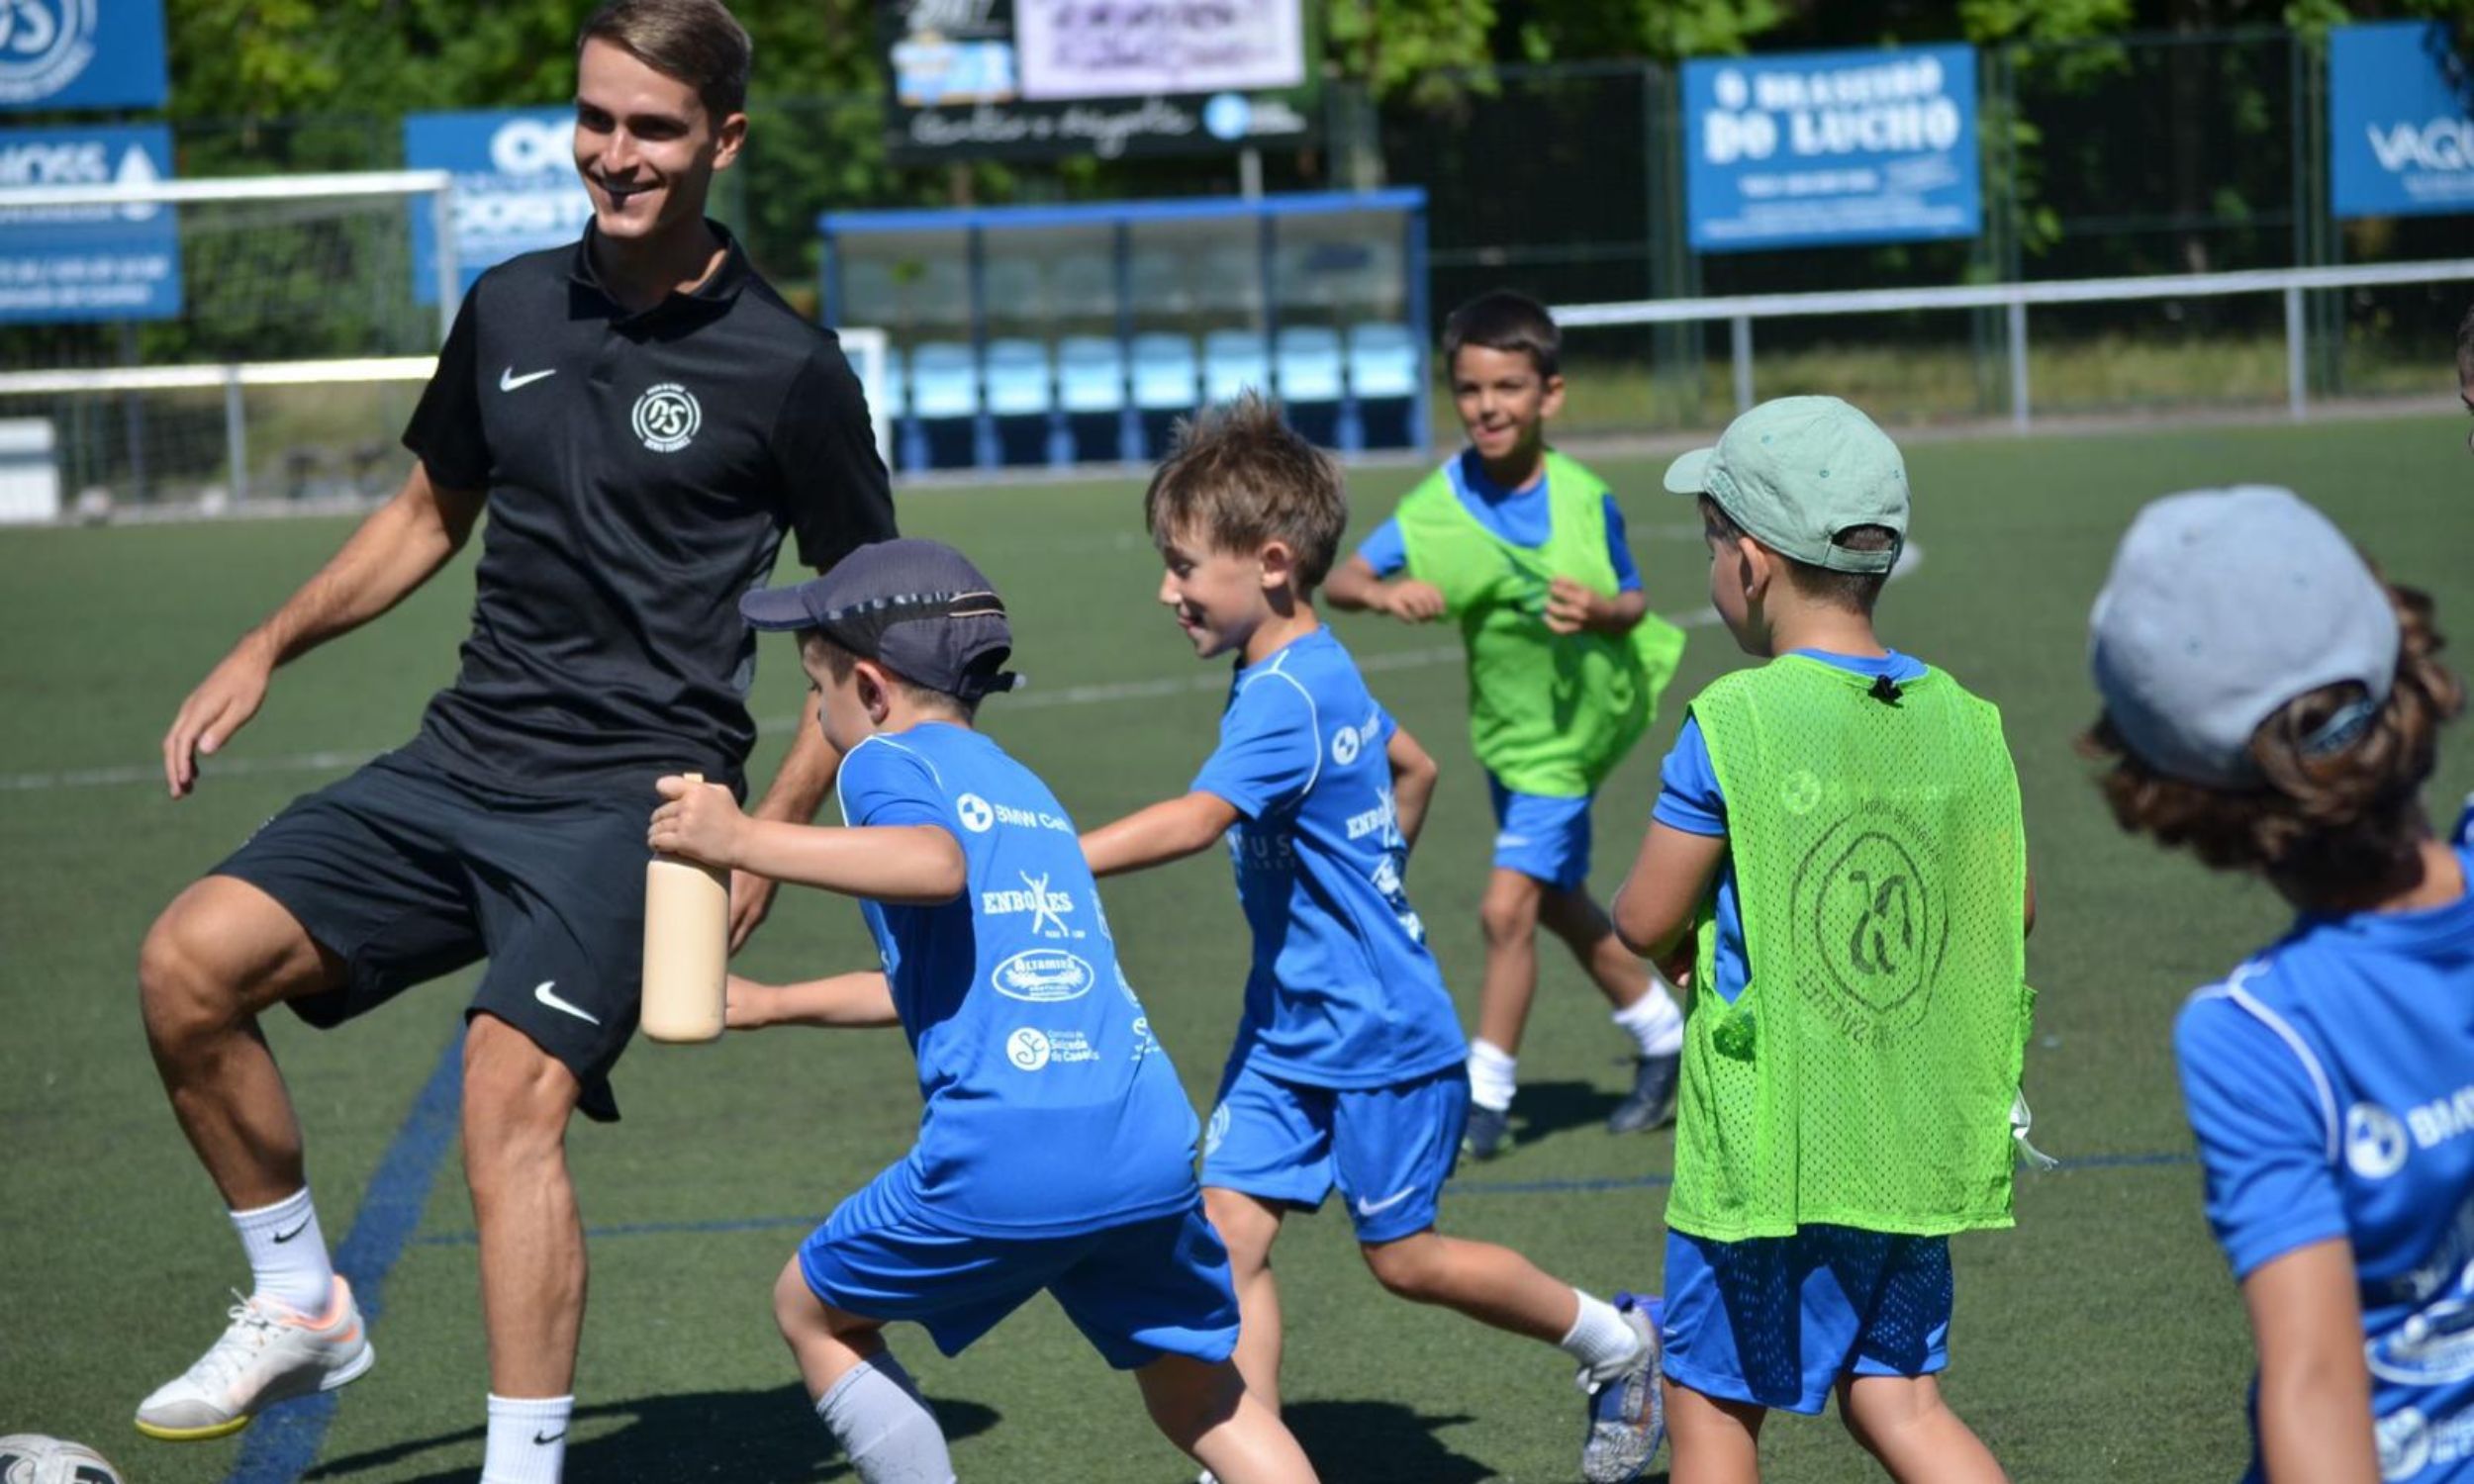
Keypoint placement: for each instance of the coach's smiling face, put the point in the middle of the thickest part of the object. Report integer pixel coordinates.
(645, 143)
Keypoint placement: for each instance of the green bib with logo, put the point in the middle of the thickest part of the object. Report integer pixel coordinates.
(1549, 713)
(1865, 1076)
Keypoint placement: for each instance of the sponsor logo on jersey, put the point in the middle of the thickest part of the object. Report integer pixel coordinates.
(1043, 977)
(1048, 909)
(2375, 1142)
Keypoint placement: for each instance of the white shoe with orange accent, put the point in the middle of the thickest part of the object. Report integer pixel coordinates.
(269, 1354)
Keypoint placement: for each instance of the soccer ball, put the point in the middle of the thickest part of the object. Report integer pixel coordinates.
(31, 1458)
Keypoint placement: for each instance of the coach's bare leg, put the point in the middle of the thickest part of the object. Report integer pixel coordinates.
(1247, 1227)
(516, 1103)
(220, 953)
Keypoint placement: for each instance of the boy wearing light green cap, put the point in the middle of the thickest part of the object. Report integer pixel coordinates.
(1836, 870)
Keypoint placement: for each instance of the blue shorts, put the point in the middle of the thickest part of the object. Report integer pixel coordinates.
(1137, 1292)
(1776, 1321)
(1546, 839)
(1388, 1148)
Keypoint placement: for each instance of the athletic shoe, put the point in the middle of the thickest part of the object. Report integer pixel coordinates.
(1488, 1133)
(1651, 1102)
(1627, 1410)
(269, 1354)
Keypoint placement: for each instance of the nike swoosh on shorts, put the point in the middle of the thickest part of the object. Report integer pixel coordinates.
(542, 992)
(1369, 1208)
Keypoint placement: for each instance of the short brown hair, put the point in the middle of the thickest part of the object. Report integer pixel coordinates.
(2331, 829)
(1857, 591)
(1241, 477)
(698, 41)
(1505, 320)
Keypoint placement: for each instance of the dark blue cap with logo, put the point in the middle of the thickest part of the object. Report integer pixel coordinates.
(916, 606)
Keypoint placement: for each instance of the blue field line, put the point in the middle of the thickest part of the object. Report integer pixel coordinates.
(281, 1444)
(725, 1226)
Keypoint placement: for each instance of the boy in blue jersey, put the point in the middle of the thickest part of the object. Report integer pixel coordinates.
(1056, 1145)
(1847, 1102)
(2270, 703)
(1524, 549)
(1346, 1070)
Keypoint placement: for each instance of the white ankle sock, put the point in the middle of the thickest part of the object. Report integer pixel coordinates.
(1652, 1022)
(1600, 1340)
(1490, 1075)
(288, 1254)
(528, 1440)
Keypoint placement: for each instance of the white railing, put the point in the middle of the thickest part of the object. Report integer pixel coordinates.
(2016, 299)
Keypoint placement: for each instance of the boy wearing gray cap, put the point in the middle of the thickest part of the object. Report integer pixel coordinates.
(1056, 1145)
(1836, 868)
(2270, 703)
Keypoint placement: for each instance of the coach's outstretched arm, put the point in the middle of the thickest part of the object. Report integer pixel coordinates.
(395, 550)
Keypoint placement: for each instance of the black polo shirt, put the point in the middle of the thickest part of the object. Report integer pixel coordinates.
(641, 468)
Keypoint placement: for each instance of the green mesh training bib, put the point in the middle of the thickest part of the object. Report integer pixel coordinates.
(1865, 1076)
(1549, 713)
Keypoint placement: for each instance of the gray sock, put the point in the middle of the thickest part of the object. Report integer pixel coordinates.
(876, 1414)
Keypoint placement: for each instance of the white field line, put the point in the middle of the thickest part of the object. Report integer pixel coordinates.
(1213, 680)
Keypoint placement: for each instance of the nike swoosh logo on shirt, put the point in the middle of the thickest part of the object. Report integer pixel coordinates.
(284, 1237)
(508, 381)
(1369, 1208)
(542, 992)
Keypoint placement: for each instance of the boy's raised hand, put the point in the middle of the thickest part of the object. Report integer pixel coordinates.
(701, 822)
(1412, 602)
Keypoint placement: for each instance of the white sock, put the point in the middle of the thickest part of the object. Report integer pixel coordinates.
(1600, 1340)
(1653, 1021)
(288, 1254)
(528, 1440)
(1491, 1069)
(888, 1433)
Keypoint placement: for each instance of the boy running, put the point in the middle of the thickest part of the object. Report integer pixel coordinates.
(1056, 1148)
(1524, 548)
(2272, 704)
(1838, 859)
(1347, 1064)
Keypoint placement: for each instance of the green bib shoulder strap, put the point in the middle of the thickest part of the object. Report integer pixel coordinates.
(1866, 1074)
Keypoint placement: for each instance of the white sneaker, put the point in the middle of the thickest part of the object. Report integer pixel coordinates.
(269, 1354)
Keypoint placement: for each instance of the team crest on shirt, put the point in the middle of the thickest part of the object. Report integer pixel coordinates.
(666, 417)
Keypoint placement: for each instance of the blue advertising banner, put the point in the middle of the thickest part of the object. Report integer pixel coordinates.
(65, 264)
(515, 187)
(1826, 148)
(82, 54)
(2399, 122)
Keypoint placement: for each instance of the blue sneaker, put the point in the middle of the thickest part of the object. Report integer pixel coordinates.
(1628, 1410)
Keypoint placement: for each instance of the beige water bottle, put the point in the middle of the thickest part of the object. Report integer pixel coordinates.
(687, 947)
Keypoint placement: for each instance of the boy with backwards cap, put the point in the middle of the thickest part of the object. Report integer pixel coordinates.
(1056, 1147)
(2272, 704)
(1837, 871)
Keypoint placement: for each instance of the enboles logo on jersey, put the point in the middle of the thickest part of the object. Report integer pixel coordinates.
(666, 418)
(1043, 977)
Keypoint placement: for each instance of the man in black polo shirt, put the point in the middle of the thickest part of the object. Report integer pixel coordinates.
(643, 418)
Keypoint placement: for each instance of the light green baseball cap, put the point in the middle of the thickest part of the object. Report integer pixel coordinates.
(1795, 472)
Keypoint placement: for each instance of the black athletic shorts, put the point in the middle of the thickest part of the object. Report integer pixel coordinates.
(407, 871)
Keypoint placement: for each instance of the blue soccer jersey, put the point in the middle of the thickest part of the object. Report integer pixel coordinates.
(2331, 1083)
(1050, 1109)
(1343, 992)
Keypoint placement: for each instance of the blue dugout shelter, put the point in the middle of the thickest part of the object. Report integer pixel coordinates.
(1062, 334)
